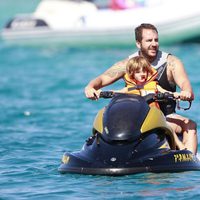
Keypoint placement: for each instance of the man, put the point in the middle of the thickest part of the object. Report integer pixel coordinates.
(171, 73)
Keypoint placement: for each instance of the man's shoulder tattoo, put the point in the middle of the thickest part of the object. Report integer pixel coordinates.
(172, 62)
(116, 70)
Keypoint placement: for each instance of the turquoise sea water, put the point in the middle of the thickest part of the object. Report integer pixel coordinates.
(44, 112)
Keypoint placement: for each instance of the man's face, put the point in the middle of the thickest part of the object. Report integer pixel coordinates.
(149, 45)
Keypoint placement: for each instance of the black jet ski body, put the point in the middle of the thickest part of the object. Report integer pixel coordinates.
(129, 137)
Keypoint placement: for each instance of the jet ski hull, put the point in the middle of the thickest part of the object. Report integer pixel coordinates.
(129, 137)
(124, 161)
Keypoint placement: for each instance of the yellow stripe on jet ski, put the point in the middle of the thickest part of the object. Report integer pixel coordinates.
(98, 122)
(156, 119)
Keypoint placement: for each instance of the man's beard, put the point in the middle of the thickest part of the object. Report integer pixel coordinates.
(149, 57)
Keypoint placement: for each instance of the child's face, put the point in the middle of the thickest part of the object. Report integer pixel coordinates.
(140, 76)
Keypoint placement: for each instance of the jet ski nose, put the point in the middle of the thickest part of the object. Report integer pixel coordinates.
(122, 121)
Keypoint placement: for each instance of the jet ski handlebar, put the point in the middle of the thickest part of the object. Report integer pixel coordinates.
(158, 97)
(155, 97)
(163, 96)
(106, 94)
(166, 96)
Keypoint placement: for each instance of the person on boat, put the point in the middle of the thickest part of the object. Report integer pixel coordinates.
(171, 73)
(122, 4)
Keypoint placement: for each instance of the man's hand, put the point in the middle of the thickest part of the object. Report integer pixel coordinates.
(187, 96)
(91, 93)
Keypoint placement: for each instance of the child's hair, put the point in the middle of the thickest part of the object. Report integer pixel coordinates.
(136, 63)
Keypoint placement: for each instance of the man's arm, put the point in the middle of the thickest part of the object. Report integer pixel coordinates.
(178, 74)
(111, 75)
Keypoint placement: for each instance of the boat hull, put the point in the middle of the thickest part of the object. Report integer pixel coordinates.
(99, 27)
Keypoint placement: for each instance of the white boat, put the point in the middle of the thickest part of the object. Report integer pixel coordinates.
(80, 23)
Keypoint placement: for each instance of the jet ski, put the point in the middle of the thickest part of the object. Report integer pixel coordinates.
(129, 137)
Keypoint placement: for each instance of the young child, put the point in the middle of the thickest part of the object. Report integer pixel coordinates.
(140, 78)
